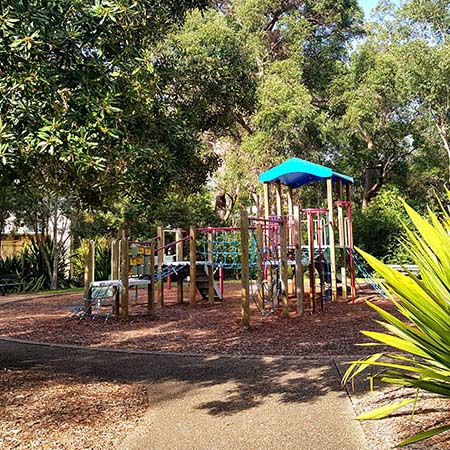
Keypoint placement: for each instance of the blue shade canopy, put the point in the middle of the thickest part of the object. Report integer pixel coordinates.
(297, 172)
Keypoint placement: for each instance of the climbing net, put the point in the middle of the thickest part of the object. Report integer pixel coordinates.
(221, 248)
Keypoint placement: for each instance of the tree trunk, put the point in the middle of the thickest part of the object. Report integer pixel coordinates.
(372, 184)
(442, 130)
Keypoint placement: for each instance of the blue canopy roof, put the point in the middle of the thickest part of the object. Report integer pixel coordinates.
(297, 172)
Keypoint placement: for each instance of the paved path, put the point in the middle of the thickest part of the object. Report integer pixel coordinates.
(227, 403)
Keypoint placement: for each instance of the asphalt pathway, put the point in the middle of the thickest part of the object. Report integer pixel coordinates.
(215, 403)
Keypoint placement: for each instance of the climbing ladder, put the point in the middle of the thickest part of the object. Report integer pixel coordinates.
(201, 282)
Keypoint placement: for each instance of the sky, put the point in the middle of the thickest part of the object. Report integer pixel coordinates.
(368, 5)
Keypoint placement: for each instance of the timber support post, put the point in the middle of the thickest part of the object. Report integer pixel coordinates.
(245, 273)
(260, 259)
(124, 272)
(298, 259)
(331, 237)
(192, 265)
(284, 266)
(151, 285)
(115, 270)
(160, 254)
(210, 266)
(89, 275)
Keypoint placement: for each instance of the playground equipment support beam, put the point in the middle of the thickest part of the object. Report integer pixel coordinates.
(331, 237)
(193, 268)
(89, 271)
(284, 266)
(279, 199)
(245, 306)
(124, 271)
(160, 235)
(151, 285)
(342, 242)
(179, 257)
(298, 259)
(260, 256)
(210, 267)
(115, 270)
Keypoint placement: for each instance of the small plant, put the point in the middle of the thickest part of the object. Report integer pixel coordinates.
(420, 338)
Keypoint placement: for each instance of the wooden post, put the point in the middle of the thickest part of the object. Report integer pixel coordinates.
(300, 289)
(331, 238)
(312, 273)
(89, 270)
(342, 243)
(266, 188)
(350, 243)
(259, 247)
(290, 199)
(179, 245)
(284, 267)
(124, 272)
(193, 267)
(114, 259)
(151, 286)
(160, 254)
(179, 288)
(210, 266)
(279, 199)
(245, 273)
(115, 269)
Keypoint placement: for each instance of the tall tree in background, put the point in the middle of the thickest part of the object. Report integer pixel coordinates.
(257, 73)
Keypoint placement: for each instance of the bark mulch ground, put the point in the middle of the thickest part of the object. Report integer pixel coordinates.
(41, 411)
(204, 328)
(431, 412)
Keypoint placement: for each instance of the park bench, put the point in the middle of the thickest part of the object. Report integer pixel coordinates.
(9, 282)
(405, 269)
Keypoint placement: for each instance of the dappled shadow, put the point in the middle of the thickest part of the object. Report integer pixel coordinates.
(247, 381)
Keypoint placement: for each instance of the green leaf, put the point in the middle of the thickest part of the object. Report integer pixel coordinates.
(384, 411)
(423, 435)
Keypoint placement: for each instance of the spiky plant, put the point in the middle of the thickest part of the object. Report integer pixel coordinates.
(420, 335)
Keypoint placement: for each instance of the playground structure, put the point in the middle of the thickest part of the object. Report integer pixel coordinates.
(271, 252)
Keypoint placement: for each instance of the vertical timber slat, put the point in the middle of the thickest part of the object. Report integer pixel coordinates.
(245, 306)
(151, 286)
(284, 266)
(192, 266)
(160, 244)
(331, 237)
(298, 259)
(124, 272)
(210, 266)
(259, 246)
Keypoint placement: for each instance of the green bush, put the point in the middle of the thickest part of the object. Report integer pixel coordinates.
(102, 260)
(29, 266)
(378, 229)
(420, 338)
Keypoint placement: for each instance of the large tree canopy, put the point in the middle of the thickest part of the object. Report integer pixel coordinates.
(83, 108)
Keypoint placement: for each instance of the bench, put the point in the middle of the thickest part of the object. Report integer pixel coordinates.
(405, 269)
(8, 282)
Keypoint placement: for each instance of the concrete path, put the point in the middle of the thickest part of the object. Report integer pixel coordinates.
(225, 403)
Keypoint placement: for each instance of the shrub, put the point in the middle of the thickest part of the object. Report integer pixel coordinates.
(378, 228)
(422, 333)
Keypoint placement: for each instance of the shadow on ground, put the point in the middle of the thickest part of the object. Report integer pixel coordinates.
(247, 381)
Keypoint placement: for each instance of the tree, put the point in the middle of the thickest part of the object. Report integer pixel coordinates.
(83, 112)
(250, 71)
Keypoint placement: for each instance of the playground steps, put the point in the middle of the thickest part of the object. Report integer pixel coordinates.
(201, 282)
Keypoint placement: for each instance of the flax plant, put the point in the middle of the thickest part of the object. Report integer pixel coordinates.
(419, 338)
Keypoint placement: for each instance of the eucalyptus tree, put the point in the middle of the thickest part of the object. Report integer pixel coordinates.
(257, 73)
